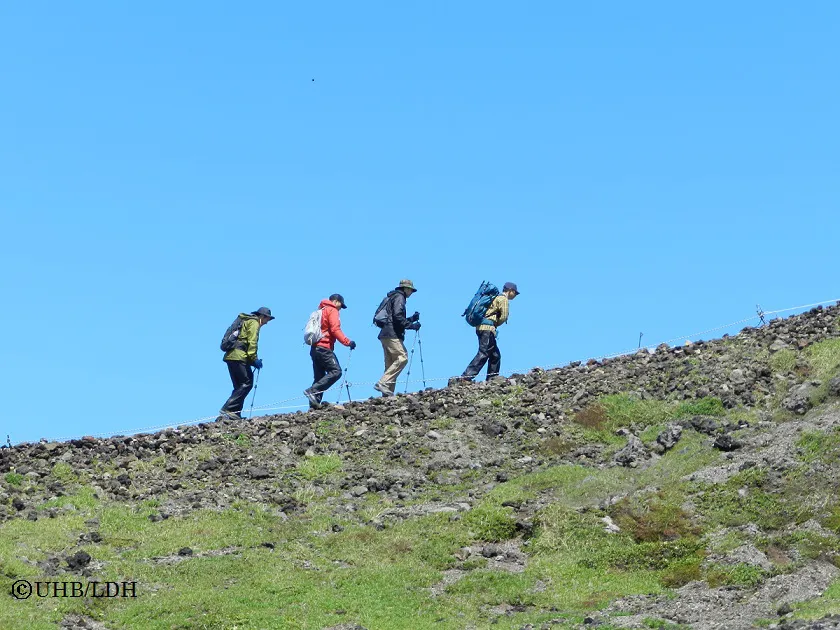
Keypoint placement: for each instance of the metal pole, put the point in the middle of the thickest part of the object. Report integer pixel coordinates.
(422, 365)
(256, 382)
(410, 360)
(344, 383)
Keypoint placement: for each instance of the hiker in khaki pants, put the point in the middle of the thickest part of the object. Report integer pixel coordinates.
(390, 317)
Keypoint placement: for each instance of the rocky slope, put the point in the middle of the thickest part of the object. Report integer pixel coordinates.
(757, 402)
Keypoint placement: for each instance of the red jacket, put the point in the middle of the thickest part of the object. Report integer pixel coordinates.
(330, 326)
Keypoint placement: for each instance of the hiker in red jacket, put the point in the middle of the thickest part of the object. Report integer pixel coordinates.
(324, 362)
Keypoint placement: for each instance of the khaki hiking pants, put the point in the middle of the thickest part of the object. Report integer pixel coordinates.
(395, 361)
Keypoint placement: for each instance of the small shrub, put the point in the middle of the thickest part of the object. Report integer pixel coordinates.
(735, 575)
(13, 478)
(491, 522)
(593, 416)
(657, 519)
(681, 573)
(556, 446)
(783, 361)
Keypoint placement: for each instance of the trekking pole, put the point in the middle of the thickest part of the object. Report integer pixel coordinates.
(344, 383)
(256, 382)
(410, 360)
(422, 365)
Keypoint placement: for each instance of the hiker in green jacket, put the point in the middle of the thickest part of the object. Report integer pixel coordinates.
(242, 339)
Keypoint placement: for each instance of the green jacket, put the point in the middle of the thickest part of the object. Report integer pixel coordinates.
(249, 336)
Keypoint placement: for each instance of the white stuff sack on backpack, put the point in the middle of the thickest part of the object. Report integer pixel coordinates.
(312, 332)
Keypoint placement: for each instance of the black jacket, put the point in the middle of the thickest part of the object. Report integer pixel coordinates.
(398, 323)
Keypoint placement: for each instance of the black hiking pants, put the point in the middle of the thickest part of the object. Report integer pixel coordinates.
(487, 351)
(325, 368)
(243, 381)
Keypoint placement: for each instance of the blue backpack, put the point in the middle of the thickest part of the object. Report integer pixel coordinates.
(481, 301)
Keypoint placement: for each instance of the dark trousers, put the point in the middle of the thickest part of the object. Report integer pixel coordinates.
(243, 381)
(325, 368)
(487, 351)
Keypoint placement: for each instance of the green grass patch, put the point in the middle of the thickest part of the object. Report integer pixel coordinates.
(319, 466)
(826, 604)
(600, 420)
(13, 478)
(783, 361)
(824, 358)
(743, 499)
(816, 446)
(84, 499)
(701, 407)
(491, 522)
(64, 472)
(240, 439)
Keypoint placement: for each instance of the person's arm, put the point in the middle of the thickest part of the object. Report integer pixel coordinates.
(498, 311)
(398, 312)
(248, 337)
(334, 322)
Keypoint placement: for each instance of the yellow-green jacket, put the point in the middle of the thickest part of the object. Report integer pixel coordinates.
(246, 345)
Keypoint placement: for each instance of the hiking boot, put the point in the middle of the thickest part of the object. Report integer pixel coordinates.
(229, 415)
(455, 380)
(314, 403)
(383, 390)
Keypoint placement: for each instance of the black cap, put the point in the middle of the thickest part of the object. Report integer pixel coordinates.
(263, 312)
(510, 286)
(337, 296)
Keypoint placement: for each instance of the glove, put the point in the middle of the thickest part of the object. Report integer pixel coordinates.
(416, 316)
(414, 326)
(258, 363)
(352, 345)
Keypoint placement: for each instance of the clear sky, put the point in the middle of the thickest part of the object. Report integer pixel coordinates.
(635, 167)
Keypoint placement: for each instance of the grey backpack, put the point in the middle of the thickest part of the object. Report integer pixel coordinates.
(230, 340)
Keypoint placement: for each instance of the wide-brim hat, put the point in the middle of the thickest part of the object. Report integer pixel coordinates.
(407, 284)
(262, 311)
(510, 286)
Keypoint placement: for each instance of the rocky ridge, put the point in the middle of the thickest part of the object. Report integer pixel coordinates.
(443, 450)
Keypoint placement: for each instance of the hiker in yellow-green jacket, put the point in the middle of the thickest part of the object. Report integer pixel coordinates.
(240, 347)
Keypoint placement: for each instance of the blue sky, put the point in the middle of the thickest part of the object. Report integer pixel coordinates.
(632, 166)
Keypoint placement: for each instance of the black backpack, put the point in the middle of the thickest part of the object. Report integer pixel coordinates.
(231, 337)
(382, 317)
